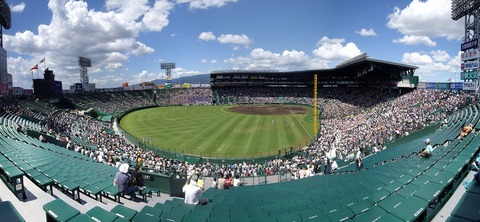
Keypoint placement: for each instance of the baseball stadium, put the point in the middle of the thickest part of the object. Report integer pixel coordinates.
(363, 141)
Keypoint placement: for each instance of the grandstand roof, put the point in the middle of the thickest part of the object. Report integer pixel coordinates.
(357, 70)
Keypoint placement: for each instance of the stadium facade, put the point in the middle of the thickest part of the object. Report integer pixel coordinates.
(360, 71)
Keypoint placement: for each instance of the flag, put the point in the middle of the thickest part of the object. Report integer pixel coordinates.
(35, 67)
(43, 60)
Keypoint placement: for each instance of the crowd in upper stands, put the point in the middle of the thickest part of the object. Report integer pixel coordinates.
(351, 119)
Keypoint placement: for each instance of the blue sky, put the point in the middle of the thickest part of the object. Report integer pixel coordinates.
(127, 40)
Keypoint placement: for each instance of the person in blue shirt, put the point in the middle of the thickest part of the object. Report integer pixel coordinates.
(427, 151)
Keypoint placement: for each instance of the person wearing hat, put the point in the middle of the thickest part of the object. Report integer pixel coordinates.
(122, 181)
(427, 151)
(193, 192)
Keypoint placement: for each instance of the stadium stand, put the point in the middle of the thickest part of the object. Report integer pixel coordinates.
(395, 185)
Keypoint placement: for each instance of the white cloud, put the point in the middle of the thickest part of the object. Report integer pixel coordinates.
(157, 17)
(214, 61)
(234, 39)
(366, 32)
(433, 66)
(173, 34)
(429, 18)
(204, 4)
(145, 76)
(328, 52)
(440, 56)
(111, 40)
(415, 40)
(203, 61)
(334, 50)
(105, 81)
(181, 72)
(207, 36)
(129, 10)
(260, 59)
(416, 58)
(18, 8)
(142, 49)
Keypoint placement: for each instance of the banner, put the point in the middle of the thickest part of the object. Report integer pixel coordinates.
(422, 85)
(469, 55)
(472, 86)
(431, 85)
(442, 85)
(469, 45)
(456, 85)
(469, 65)
(469, 75)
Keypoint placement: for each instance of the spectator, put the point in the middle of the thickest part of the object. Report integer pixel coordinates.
(228, 182)
(236, 181)
(122, 181)
(427, 151)
(466, 130)
(221, 182)
(193, 193)
(137, 177)
(358, 158)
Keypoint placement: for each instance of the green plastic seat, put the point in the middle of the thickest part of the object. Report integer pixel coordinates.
(99, 214)
(124, 212)
(148, 214)
(360, 207)
(172, 216)
(9, 213)
(391, 202)
(429, 192)
(59, 210)
(408, 190)
(468, 207)
(375, 214)
(82, 218)
(411, 209)
(291, 217)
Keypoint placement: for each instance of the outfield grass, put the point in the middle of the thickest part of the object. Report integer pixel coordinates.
(216, 130)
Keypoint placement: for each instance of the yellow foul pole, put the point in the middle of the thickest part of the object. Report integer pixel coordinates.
(315, 112)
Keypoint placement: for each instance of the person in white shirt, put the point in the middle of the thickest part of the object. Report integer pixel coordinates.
(193, 192)
(358, 159)
(236, 181)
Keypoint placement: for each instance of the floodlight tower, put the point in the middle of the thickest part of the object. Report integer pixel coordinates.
(84, 63)
(5, 22)
(470, 9)
(168, 75)
(5, 19)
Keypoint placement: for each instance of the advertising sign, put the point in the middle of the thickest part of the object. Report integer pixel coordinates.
(456, 85)
(469, 65)
(469, 55)
(442, 85)
(469, 45)
(470, 86)
(469, 75)
(431, 85)
(78, 87)
(167, 65)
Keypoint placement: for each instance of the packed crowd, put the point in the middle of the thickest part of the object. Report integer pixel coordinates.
(113, 102)
(351, 120)
(116, 102)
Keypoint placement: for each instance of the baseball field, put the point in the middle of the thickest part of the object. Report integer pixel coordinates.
(208, 130)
